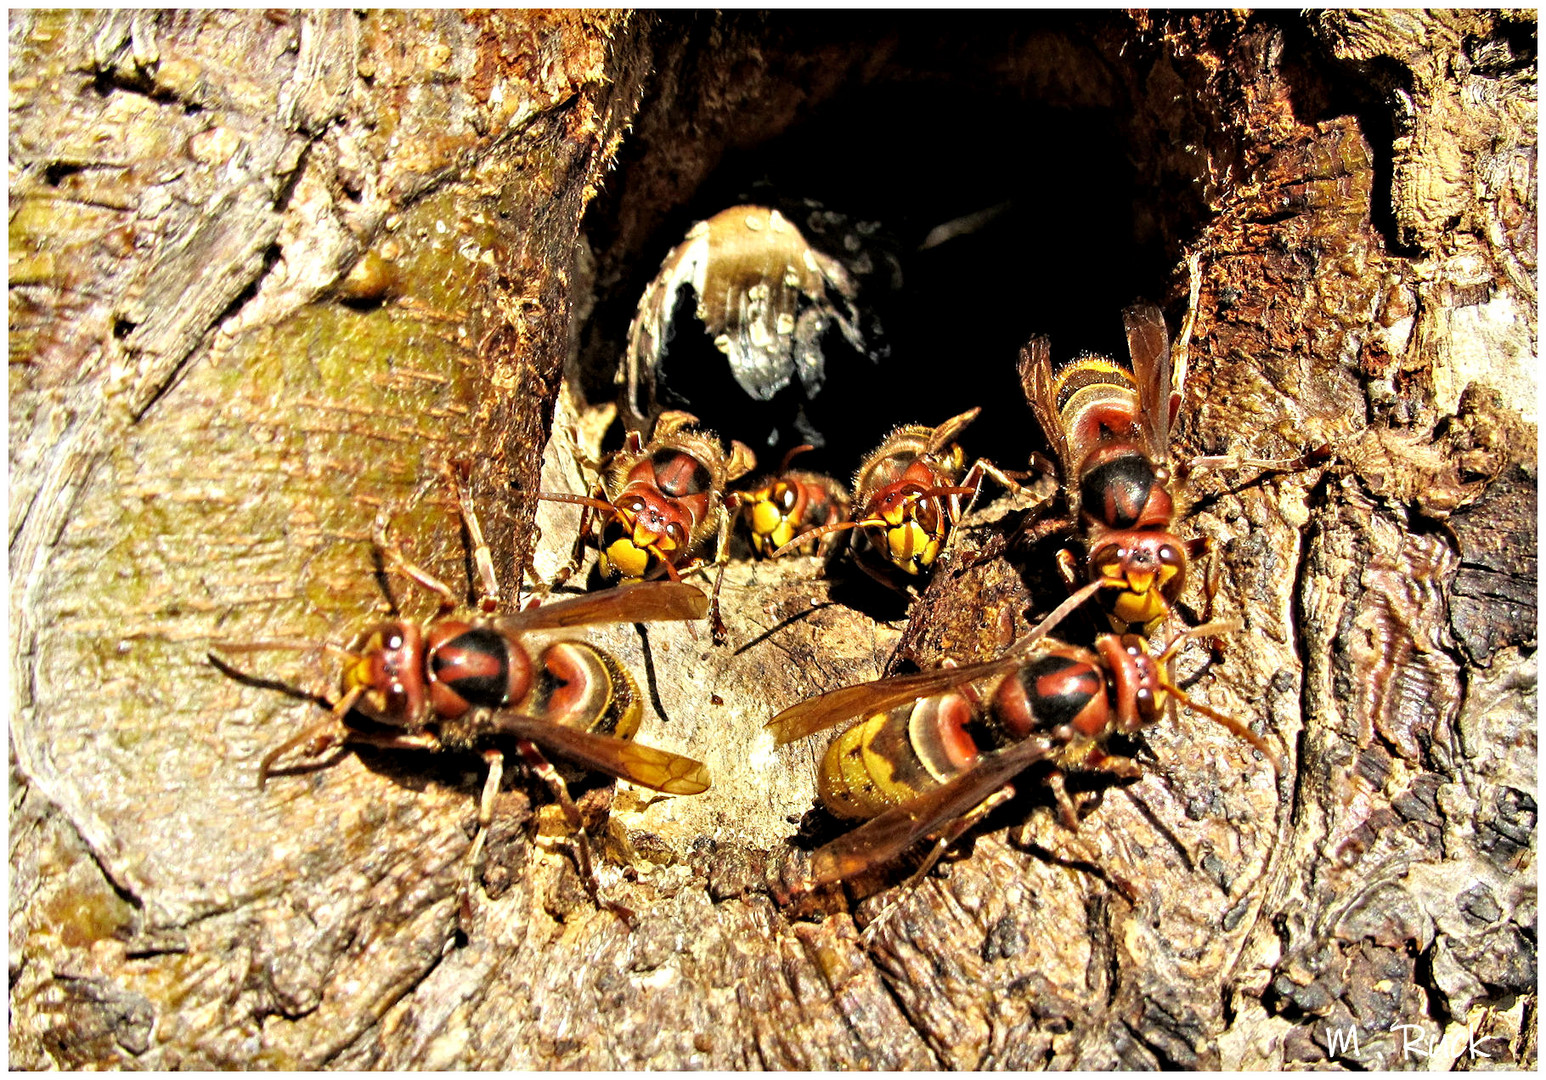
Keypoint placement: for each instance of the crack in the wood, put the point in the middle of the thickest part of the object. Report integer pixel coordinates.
(1166, 1062)
(1098, 924)
(385, 1005)
(912, 1022)
(847, 1019)
(122, 889)
(1298, 779)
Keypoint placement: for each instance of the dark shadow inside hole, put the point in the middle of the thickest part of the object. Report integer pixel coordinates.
(1070, 241)
(1325, 88)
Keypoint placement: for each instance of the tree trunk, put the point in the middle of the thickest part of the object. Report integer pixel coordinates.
(271, 272)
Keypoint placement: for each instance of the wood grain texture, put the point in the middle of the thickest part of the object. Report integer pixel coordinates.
(270, 271)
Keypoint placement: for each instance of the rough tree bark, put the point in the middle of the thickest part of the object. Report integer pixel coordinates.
(270, 271)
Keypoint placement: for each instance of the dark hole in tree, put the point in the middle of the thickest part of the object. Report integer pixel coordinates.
(956, 119)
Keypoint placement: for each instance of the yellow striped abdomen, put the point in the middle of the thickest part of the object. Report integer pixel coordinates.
(890, 758)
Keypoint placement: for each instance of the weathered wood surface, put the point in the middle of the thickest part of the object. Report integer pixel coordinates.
(269, 271)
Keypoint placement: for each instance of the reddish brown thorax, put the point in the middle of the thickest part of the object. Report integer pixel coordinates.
(410, 675)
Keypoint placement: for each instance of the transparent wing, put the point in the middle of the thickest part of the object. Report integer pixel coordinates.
(644, 765)
(951, 429)
(882, 839)
(1036, 380)
(817, 713)
(1149, 344)
(651, 601)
